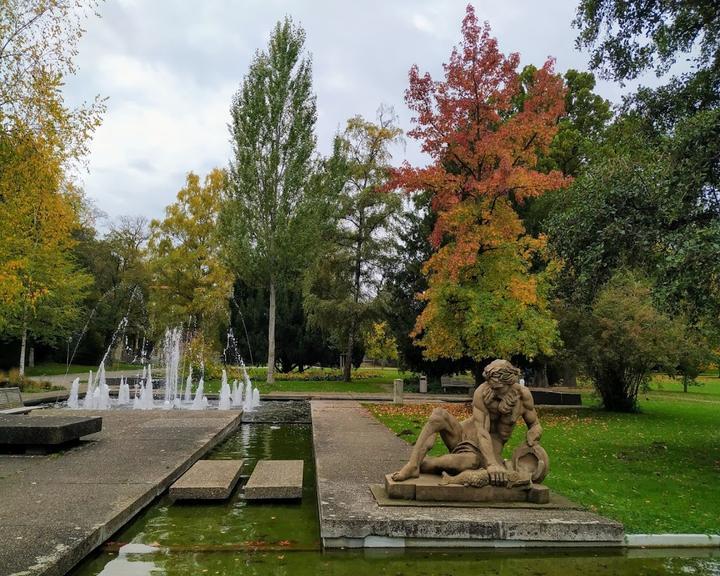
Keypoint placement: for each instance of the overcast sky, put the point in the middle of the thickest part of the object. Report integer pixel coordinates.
(170, 67)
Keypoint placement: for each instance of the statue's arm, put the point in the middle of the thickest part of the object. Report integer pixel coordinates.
(481, 416)
(530, 417)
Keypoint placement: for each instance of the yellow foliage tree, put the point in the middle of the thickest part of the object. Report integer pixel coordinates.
(190, 283)
(40, 138)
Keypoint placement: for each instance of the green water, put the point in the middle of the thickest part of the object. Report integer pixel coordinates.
(283, 538)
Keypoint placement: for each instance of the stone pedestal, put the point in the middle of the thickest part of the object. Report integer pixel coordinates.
(427, 488)
(398, 391)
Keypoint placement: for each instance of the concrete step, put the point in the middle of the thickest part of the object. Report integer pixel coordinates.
(275, 480)
(207, 480)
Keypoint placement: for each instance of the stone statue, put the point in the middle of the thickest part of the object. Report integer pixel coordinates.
(476, 444)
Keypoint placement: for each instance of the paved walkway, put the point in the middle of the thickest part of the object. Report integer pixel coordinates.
(56, 509)
(353, 451)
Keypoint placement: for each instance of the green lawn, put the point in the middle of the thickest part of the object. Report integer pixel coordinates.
(657, 471)
(56, 368)
(358, 386)
(365, 380)
(709, 385)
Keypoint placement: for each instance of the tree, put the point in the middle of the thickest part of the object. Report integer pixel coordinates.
(405, 280)
(484, 299)
(344, 281)
(40, 285)
(268, 221)
(119, 268)
(625, 337)
(380, 344)
(190, 283)
(628, 38)
(38, 40)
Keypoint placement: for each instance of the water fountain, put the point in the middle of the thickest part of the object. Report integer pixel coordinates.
(241, 394)
(225, 393)
(72, 400)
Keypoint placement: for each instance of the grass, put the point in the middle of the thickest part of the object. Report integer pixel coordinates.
(56, 368)
(708, 385)
(365, 380)
(656, 471)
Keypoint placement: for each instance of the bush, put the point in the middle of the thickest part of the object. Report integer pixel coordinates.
(624, 337)
(12, 379)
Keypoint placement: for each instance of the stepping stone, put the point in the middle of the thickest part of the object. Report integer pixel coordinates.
(275, 480)
(207, 480)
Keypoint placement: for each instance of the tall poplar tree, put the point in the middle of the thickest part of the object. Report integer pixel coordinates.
(273, 115)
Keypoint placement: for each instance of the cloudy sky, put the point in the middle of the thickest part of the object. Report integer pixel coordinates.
(169, 69)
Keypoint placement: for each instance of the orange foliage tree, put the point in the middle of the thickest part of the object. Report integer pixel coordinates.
(487, 295)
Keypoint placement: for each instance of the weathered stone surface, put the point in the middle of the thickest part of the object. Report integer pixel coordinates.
(207, 480)
(353, 451)
(556, 501)
(428, 488)
(55, 510)
(275, 480)
(10, 398)
(45, 430)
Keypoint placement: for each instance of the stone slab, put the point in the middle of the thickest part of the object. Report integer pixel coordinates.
(275, 480)
(353, 451)
(10, 398)
(556, 501)
(207, 480)
(57, 509)
(45, 430)
(428, 488)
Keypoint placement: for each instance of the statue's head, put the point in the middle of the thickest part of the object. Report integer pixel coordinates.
(501, 375)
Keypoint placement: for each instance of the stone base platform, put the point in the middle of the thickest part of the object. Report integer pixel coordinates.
(427, 488)
(275, 480)
(42, 432)
(55, 510)
(353, 451)
(207, 480)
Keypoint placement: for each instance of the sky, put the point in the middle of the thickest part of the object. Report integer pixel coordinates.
(169, 69)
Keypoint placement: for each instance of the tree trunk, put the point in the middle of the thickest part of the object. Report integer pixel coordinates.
(540, 379)
(31, 357)
(271, 336)
(23, 345)
(348, 360)
(356, 298)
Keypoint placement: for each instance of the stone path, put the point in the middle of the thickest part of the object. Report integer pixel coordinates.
(353, 451)
(56, 509)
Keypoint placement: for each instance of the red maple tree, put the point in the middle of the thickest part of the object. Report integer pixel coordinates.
(484, 133)
(483, 147)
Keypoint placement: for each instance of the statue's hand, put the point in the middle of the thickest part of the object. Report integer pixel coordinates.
(532, 436)
(488, 395)
(498, 475)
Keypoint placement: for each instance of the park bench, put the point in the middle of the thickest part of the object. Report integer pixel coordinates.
(466, 382)
(11, 402)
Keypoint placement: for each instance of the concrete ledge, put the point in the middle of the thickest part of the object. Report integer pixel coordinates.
(672, 540)
(82, 498)
(45, 430)
(386, 542)
(275, 480)
(207, 480)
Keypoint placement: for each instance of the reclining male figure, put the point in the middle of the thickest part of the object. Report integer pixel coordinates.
(478, 441)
